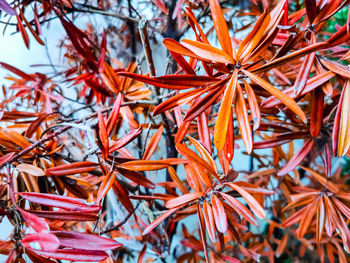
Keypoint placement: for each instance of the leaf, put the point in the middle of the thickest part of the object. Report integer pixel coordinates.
(17, 71)
(207, 52)
(177, 180)
(311, 84)
(339, 37)
(178, 100)
(220, 26)
(285, 59)
(142, 254)
(322, 180)
(149, 165)
(78, 240)
(203, 152)
(172, 81)
(53, 200)
(106, 184)
(311, 10)
(65, 215)
(160, 4)
(23, 31)
(254, 37)
(136, 177)
(47, 241)
(297, 158)
(221, 124)
(183, 199)
(337, 68)
(159, 220)
(209, 220)
(304, 73)
(205, 102)
(35, 35)
(219, 214)
(243, 120)
(176, 47)
(30, 169)
(202, 232)
(73, 254)
(153, 143)
(251, 201)
(72, 168)
(113, 117)
(290, 103)
(253, 105)
(37, 223)
(316, 112)
(7, 157)
(7, 8)
(103, 135)
(125, 140)
(191, 156)
(344, 126)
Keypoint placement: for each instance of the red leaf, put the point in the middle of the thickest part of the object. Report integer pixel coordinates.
(73, 254)
(103, 135)
(68, 203)
(17, 71)
(23, 31)
(37, 223)
(78, 240)
(4, 159)
(311, 9)
(160, 4)
(297, 158)
(125, 140)
(112, 119)
(47, 241)
(159, 220)
(72, 168)
(153, 143)
(173, 81)
(220, 26)
(219, 214)
(183, 199)
(65, 215)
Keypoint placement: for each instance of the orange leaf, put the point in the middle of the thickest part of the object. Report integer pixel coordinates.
(30, 169)
(106, 184)
(344, 126)
(159, 220)
(150, 165)
(220, 26)
(153, 143)
(240, 208)
(207, 52)
(209, 220)
(253, 105)
(290, 103)
(219, 214)
(191, 156)
(183, 199)
(102, 131)
(23, 31)
(73, 168)
(224, 112)
(251, 201)
(112, 119)
(243, 120)
(254, 37)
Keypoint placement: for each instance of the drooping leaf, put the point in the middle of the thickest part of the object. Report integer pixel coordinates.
(68, 203)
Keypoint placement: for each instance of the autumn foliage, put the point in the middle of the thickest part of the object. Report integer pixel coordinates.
(110, 160)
